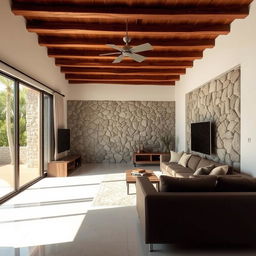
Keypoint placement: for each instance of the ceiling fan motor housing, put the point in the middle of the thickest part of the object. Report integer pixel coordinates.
(127, 39)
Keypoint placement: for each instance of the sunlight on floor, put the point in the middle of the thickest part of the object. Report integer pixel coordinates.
(27, 174)
(49, 212)
(87, 213)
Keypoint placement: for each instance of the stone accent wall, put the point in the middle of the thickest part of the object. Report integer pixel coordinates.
(32, 127)
(219, 102)
(110, 131)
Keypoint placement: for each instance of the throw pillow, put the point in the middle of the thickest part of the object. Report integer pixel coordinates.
(171, 184)
(219, 170)
(184, 159)
(175, 156)
(235, 184)
(204, 170)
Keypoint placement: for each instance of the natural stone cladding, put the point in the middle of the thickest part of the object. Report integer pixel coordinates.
(219, 102)
(110, 131)
(32, 127)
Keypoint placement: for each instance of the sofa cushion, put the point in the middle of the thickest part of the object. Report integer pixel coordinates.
(183, 175)
(193, 162)
(171, 184)
(178, 168)
(175, 156)
(204, 170)
(184, 159)
(219, 170)
(235, 184)
(206, 162)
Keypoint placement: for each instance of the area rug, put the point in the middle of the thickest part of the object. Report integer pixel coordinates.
(113, 192)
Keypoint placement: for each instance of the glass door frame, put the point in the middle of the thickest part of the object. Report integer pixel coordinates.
(51, 147)
(17, 188)
(41, 134)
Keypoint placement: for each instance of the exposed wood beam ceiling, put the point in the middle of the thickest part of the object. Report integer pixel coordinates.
(76, 33)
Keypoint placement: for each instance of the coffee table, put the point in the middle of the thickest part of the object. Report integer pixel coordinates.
(131, 179)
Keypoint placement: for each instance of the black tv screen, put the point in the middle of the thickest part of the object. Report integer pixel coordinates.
(63, 140)
(201, 137)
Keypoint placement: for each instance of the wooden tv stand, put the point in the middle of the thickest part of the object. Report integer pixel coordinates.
(147, 158)
(61, 167)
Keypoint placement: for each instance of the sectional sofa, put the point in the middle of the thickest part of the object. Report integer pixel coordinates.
(213, 217)
(195, 162)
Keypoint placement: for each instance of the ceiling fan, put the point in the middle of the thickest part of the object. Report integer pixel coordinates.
(127, 50)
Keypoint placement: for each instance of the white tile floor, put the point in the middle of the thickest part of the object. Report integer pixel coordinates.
(55, 217)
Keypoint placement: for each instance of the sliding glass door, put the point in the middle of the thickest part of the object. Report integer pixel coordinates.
(26, 141)
(29, 134)
(7, 146)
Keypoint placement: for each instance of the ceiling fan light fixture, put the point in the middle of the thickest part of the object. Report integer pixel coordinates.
(127, 50)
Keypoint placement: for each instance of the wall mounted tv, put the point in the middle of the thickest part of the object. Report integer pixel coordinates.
(63, 140)
(201, 137)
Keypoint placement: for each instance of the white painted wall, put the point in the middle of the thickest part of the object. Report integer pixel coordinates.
(237, 48)
(121, 92)
(20, 48)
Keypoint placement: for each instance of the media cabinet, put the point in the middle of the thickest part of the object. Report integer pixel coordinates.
(147, 158)
(61, 167)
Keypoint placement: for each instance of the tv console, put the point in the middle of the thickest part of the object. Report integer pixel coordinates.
(61, 167)
(147, 158)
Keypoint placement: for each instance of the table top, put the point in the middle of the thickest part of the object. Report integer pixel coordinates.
(132, 179)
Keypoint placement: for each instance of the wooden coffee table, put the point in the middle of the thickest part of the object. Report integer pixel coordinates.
(131, 179)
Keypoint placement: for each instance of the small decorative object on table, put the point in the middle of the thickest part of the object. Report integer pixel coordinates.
(131, 179)
(138, 172)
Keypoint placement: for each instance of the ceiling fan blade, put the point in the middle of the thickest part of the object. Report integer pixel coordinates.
(118, 59)
(115, 47)
(142, 48)
(111, 53)
(136, 57)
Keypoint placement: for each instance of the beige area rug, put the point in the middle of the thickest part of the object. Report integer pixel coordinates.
(113, 192)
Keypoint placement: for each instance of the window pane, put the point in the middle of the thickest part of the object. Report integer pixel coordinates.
(29, 134)
(7, 150)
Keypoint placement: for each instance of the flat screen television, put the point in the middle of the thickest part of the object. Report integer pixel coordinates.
(63, 140)
(201, 137)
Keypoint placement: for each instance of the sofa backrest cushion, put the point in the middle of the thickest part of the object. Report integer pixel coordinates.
(171, 184)
(235, 184)
(206, 162)
(193, 162)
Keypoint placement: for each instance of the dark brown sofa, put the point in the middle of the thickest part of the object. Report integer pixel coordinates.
(194, 163)
(195, 217)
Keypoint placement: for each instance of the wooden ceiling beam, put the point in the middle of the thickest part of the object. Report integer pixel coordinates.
(74, 42)
(130, 82)
(122, 77)
(78, 28)
(80, 53)
(159, 64)
(30, 9)
(130, 71)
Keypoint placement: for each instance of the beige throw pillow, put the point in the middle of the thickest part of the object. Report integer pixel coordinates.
(204, 170)
(220, 170)
(184, 159)
(175, 156)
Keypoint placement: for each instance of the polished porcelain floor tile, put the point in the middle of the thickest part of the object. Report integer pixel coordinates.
(66, 217)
